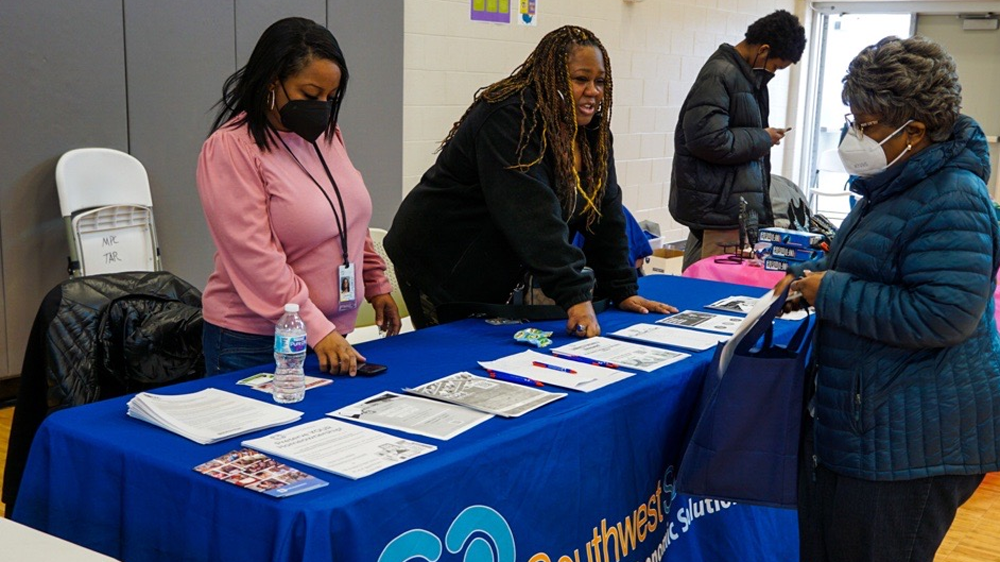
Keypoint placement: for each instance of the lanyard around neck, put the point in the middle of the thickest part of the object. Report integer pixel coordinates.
(341, 220)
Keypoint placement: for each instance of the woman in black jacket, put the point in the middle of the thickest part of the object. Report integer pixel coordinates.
(528, 165)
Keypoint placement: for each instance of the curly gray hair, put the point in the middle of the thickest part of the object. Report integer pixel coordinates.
(901, 79)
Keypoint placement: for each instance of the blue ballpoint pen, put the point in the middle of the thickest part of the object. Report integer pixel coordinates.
(499, 375)
(597, 362)
(553, 367)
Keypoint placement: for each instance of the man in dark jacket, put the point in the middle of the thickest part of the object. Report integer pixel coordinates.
(722, 142)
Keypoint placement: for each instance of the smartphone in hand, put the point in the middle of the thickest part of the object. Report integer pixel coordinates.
(371, 369)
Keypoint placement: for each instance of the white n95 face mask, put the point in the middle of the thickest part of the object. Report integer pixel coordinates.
(863, 155)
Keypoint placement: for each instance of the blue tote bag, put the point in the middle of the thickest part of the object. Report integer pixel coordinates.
(744, 444)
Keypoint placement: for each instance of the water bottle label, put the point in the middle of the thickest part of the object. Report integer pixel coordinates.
(289, 344)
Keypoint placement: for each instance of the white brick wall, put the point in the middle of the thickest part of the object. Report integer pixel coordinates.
(656, 47)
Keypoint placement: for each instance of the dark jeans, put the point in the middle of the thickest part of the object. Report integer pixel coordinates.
(844, 519)
(228, 350)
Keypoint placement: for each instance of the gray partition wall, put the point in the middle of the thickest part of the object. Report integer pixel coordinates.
(141, 76)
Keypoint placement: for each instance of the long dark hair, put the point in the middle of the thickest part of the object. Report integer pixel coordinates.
(546, 71)
(284, 49)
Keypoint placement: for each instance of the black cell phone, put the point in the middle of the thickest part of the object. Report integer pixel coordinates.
(371, 369)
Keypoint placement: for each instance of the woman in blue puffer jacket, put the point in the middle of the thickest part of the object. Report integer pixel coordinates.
(906, 413)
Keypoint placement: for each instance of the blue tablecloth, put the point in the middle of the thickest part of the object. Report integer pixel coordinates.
(586, 478)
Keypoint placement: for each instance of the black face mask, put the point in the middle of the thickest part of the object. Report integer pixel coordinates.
(306, 118)
(761, 74)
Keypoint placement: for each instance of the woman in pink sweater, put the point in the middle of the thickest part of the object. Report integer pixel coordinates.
(287, 210)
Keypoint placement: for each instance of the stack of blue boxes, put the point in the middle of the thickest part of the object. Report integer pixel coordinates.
(789, 247)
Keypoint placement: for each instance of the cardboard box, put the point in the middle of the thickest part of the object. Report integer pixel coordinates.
(668, 253)
(663, 262)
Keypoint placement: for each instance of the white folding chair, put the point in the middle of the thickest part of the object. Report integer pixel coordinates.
(365, 329)
(828, 194)
(105, 200)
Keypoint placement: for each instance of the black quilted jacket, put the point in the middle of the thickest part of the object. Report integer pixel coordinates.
(721, 150)
(102, 336)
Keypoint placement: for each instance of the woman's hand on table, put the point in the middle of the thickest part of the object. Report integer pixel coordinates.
(337, 356)
(642, 305)
(582, 321)
(386, 314)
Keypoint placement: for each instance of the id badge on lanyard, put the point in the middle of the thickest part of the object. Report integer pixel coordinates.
(345, 274)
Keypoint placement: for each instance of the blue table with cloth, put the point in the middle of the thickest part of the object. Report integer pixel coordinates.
(586, 478)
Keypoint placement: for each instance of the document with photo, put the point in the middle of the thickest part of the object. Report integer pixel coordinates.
(256, 471)
(623, 354)
(737, 304)
(264, 382)
(702, 320)
(668, 335)
(556, 371)
(413, 414)
(339, 447)
(505, 399)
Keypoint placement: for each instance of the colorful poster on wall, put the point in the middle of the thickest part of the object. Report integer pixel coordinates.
(494, 11)
(527, 14)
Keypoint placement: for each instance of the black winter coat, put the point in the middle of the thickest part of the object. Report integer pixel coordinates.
(102, 336)
(721, 150)
(474, 223)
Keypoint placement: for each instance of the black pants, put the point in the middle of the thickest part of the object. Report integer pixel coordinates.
(421, 306)
(844, 519)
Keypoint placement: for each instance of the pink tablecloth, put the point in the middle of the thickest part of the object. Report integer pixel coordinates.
(732, 272)
(743, 274)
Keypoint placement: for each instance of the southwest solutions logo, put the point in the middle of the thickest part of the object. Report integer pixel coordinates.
(482, 532)
(486, 536)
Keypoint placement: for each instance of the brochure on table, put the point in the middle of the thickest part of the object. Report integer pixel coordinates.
(413, 414)
(339, 447)
(258, 472)
(556, 371)
(743, 305)
(701, 320)
(264, 382)
(738, 304)
(508, 400)
(621, 353)
(668, 335)
(209, 415)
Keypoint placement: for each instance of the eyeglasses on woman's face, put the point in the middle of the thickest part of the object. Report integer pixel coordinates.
(857, 129)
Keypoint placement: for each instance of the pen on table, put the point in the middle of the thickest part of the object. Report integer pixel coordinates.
(499, 375)
(597, 362)
(553, 367)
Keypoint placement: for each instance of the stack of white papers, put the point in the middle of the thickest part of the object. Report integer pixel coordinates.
(623, 354)
(413, 414)
(209, 415)
(556, 371)
(339, 447)
(504, 399)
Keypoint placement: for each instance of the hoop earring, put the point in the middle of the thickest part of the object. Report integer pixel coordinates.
(270, 98)
(561, 96)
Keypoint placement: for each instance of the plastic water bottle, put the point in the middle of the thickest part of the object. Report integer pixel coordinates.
(289, 355)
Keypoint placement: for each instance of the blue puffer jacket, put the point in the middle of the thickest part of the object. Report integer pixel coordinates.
(908, 384)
